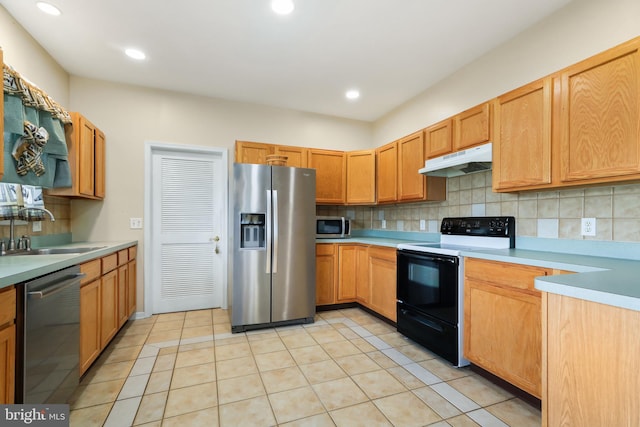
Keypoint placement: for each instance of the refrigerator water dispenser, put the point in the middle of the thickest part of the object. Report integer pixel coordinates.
(252, 231)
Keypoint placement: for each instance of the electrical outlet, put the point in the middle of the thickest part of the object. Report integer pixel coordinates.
(135, 223)
(588, 227)
(423, 225)
(384, 223)
(37, 226)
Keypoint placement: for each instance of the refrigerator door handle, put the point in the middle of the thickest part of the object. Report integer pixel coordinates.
(275, 231)
(269, 232)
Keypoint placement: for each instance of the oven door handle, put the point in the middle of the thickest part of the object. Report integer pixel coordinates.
(426, 322)
(422, 256)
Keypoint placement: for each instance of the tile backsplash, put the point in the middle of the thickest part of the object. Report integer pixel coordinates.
(61, 209)
(552, 214)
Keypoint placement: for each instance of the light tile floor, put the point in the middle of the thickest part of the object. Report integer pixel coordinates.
(347, 369)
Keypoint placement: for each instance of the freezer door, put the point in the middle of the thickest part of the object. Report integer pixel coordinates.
(251, 302)
(294, 264)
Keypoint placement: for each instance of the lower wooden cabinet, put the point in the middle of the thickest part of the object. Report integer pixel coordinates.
(7, 344)
(382, 281)
(326, 273)
(90, 343)
(590, 374)
(502, 321)
(357, 273)
(107, 300)
(109, 307)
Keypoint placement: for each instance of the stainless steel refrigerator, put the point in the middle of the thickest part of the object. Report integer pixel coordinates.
(274, 267)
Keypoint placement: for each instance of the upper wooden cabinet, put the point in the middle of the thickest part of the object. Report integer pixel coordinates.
(330, 166)
(412, 186)
(253, 152)
(361, 177)
(296, 156)
(473, 127)
(599, 117)
(439, 138)
(387, 173)
(580, 126)
(522, 142)
(86, 159)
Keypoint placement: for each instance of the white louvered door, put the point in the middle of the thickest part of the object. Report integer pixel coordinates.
(189, 201)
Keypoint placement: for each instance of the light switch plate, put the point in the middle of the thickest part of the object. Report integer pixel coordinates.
(135, 223)
(384, 223)
(423, 225)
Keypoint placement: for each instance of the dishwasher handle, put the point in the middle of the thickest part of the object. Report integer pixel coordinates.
(57, 286)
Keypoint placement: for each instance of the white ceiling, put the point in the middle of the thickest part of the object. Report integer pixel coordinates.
(391, 50)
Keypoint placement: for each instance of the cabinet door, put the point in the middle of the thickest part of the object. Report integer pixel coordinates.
(108, 307)
(131, 287)
(252, 152)
(296, 156)
(122, 295)
(361, 177)
(86, 155)
(503, 334)
(600, 117)
(473, 127)
(90, 342)
(387, 173)
(382, 279)
(326, 274)
(331, 175)
(347, 273)
(363, 288)
(7, 364)
(411, 184)
(99, 164)
(522, 142)
(439, 139)
(592, 354)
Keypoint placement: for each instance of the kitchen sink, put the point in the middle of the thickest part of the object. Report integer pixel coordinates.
(56, 251)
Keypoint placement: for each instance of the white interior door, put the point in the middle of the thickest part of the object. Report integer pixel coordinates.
(188, 228)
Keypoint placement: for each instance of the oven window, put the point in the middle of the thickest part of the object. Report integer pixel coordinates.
(429, 284)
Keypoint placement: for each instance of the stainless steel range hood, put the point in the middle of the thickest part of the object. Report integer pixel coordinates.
(475, 159)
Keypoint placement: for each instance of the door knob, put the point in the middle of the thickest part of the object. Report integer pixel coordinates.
(215, 239)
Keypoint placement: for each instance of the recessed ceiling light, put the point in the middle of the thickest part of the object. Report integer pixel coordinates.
(282, 7)
(48, 8)
(352, 94)
(135, 54)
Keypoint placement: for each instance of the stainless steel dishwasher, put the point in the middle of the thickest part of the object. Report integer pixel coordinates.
(47, 368)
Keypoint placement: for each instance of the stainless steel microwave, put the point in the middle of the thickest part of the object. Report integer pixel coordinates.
(332, 227)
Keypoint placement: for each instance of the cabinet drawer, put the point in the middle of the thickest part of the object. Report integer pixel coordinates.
(503, 273)
(109, 263)
(133, 252)
(7, 305)
(325, 249)
(123, 256)
(92, 269)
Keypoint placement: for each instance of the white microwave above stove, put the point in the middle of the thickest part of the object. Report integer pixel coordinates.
(332, 227)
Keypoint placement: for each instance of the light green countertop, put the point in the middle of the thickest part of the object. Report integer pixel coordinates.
(16, 269)
(603, 280)
(608, 280)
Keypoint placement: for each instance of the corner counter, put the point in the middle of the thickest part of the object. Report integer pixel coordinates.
(16, 269)
(602, 280)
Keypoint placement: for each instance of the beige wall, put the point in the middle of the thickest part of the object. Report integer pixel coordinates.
(29, 59)
(581, 29)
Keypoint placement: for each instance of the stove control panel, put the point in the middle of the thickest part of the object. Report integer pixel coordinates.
(489, 226)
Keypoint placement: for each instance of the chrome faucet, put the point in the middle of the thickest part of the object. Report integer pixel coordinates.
(12, 241)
